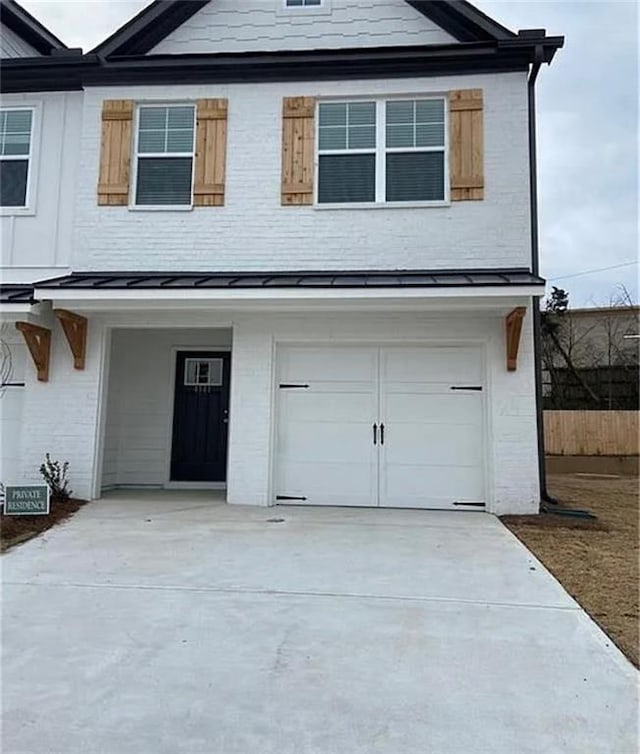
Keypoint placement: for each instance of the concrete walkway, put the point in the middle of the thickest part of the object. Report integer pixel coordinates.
(163, 623)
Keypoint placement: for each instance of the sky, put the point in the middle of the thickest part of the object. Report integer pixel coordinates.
(587, 130)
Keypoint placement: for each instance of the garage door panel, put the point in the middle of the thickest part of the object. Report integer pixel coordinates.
(340, 483)
(323, 441)
(435, 407)
(449, 446)
(330, 406)
(327, 364)
(431, 365)
(430, 487)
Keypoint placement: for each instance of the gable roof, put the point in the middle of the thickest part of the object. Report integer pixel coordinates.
(155, 22)
(16, 18)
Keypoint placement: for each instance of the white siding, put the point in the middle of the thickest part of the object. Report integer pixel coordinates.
(246, 25)
(36, 243)
(13, 46)
(138, 412)
(512, 450)
(254, 232)
(11, 400)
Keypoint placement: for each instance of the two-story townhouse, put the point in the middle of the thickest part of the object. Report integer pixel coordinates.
(304, 259)
(39, 136)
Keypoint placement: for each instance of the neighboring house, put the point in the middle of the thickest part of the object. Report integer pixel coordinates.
(594, 364)
(303, 264)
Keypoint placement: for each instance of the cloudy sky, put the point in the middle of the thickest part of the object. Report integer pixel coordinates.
(587, 127)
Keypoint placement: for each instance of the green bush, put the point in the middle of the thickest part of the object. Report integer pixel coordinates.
(55, 476)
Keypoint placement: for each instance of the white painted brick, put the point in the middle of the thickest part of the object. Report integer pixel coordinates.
(254, 232)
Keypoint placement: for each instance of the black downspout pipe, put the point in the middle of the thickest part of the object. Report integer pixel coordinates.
(535, 269)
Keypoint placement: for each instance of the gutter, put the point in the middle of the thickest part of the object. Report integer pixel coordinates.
(535, 268)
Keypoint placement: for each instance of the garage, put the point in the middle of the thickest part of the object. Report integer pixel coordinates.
(380, 426)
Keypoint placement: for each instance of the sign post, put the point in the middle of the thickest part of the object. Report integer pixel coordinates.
(26, 500)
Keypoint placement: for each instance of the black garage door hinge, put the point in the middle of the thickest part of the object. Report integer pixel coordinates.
(289, 386)
(473, 505)
(465, 387)
(289, 497)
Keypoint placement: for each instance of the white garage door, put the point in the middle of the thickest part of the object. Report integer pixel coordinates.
(390, 426)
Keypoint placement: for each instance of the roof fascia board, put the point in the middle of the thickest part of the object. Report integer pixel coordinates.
(149, 27)
(462, 20)
(29, 28)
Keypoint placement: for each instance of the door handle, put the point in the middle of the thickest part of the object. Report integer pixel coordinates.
(382, 434)
(375, 434)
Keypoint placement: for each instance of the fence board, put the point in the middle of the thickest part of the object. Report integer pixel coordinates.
(591, 433)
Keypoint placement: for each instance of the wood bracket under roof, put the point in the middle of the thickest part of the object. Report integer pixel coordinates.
(513, 324)
(38, 340)
(75, 330)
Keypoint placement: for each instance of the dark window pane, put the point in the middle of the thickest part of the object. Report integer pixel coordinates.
(13, 182)
(347, 178)
(415, 176)
(164, 181)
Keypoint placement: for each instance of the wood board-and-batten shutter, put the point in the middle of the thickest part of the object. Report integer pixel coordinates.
(115, 152)
(466, 145)
(298, 136)
(211, 152)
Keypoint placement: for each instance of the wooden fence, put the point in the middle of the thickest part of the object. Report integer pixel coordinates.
(591, 433)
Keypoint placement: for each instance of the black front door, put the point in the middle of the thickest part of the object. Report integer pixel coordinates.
(200, 417)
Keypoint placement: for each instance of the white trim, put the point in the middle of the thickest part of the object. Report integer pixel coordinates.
(380, 152)
(133, 189)
(104, 374)
(192, 296)
(29, 207)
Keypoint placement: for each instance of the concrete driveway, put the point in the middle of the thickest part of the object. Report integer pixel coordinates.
(163, 624)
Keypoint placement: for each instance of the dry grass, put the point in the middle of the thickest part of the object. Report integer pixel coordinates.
(596, 562)
(17, 529)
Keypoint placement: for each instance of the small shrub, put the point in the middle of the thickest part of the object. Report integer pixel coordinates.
(56, 478)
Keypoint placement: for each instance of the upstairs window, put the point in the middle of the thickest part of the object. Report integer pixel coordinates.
(165, 156)
(382, 152)
(15, 156)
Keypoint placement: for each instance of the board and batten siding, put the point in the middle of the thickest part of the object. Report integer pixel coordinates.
(253, 231)
(36, 243)
(592, 433)
(231, 26)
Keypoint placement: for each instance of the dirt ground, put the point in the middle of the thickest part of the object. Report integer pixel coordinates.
(595, 561)
(17, 529)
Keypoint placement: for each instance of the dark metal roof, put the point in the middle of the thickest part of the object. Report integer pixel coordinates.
(29, 28)
(16, 293)
(338, 279)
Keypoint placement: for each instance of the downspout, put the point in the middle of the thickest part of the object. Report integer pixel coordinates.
(535, 269)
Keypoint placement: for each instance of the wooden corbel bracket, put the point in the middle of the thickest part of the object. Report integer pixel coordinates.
(513, 324)
(38, 340)
(75, 330)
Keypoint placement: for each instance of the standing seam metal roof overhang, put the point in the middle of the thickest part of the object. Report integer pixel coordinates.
(340, 279)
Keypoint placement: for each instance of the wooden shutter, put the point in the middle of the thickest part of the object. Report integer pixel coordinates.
(298, 132)
(466, 160)
(115, 152)
(211, 153)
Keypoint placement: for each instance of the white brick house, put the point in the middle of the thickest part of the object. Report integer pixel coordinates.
(293, 255)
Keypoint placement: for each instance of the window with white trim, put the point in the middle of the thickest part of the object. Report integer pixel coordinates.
(384, 151)
(16, 126)
(165, 147)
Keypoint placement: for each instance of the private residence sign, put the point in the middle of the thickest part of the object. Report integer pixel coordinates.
(26, 500)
